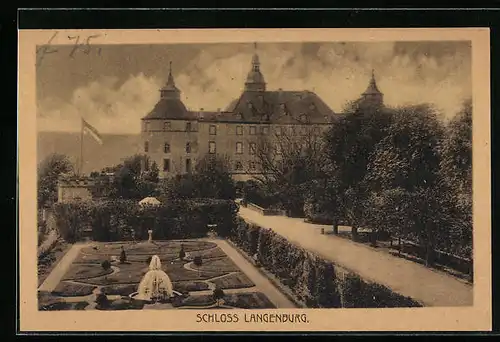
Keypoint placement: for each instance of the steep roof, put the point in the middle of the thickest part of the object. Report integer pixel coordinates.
(372, 87)
(279, 107)
(170, 105)
(169, 109)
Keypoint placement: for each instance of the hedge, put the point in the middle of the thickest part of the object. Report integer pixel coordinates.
(114, 220)
(315, 281)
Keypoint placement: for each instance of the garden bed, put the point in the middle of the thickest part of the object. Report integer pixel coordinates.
(233, 281)
(57, 306)
(78, 272)
(65, 289)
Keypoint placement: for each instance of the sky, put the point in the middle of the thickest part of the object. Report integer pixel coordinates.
(114, 86)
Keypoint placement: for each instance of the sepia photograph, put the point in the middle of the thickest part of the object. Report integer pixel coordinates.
(256, 181)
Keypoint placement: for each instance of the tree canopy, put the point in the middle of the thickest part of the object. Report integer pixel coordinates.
(49, 171)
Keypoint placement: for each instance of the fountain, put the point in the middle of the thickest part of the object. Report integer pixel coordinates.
(155, 285)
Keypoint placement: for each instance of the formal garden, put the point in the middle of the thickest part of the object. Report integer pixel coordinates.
(104, 276)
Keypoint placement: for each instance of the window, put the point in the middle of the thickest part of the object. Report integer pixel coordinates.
(239, 130)
(166, 148)
(211, 147)
(146, 146)
(303, 130)
(250, 105)
(303, 118)
(166, 126)
(278, 149)
(253, 148)
(188, 147)
(188, 126)
(279, 130)
(188, 165)
(239, 147)
(213, 130)
(146, 126)
(239, 116)
(317, 131)
(253, 130)
(166, 165)
(252, 166)
(238, 166)
(265, 130)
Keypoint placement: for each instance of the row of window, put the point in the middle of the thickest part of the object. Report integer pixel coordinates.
(239, 129)
(212, 147)
(166, 147)
(264, 130)
(168, 127)
(238, 165)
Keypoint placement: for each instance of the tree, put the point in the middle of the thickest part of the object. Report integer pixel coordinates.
(456, 171)
(210, 179)
(218, 295)
(129, 182)
(213, 179)
(152, 174)
(403, 175)
(286, 163)
(123, 256)
(182, 253)
(350, 144)
(106, 265)
(49, 171)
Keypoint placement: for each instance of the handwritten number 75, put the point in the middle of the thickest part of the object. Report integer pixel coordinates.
(85, 47)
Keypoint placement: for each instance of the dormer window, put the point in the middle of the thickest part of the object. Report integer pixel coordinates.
(265, 117)
(250, 105)
(238, 116)
(312, 106)
(303, 118)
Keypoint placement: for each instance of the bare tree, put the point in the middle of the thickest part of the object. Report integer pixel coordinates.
(287, 160)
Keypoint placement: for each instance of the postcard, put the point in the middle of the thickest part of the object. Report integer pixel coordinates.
(254, 180)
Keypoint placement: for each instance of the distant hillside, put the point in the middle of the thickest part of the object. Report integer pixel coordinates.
(111, 152)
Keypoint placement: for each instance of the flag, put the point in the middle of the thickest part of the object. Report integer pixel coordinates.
(88, 128)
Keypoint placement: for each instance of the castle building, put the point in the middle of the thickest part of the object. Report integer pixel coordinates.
(176, 138)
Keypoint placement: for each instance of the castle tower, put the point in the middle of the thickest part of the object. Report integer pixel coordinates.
(170, 91)
(255, 79)
(372, 95)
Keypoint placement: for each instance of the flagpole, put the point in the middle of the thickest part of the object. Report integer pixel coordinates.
(81, 149)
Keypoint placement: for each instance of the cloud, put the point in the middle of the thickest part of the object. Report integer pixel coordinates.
(337, 72)
(107, 105)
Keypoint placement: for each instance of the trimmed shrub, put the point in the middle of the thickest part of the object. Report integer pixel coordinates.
(198, 261)
(312, 279)
(112, 220)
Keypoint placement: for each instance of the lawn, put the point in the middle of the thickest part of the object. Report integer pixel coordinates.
(233, 281)
(223, 264)
(77, 272)
(65, 289)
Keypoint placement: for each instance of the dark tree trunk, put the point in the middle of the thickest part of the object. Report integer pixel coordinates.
(373, 239)
(335, 227)
(429, 254)
(354, 233)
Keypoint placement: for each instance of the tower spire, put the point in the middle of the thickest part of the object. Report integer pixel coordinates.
(255, 79)
(170, 90)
